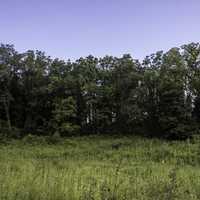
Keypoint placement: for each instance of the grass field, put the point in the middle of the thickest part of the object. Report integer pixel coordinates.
(102, 168)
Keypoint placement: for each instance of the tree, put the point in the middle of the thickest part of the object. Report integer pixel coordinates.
(191, 56)
(159, 96)
(7, 53)
(34, 78)
(173, 115)
(63, 117)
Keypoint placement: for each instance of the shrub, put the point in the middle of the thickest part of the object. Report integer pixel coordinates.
(54, 139)
(34, 140)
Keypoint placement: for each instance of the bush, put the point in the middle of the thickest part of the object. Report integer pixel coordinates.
(34, 140)
(4, 140)
(54, 139)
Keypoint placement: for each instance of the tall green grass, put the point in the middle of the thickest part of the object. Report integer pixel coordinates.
(102, 168)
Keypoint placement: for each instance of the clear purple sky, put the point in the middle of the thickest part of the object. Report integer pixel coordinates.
(74, 28)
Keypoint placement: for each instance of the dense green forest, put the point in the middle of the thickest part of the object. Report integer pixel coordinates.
(159, 96)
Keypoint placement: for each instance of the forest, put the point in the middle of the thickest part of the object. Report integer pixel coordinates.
(100, 128)
(156, 97)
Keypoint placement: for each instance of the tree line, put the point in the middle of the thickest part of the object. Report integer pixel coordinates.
(159, 96)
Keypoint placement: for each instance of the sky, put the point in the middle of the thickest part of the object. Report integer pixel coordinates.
(69, 29)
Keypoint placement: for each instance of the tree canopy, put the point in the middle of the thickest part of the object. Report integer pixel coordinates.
(159, 96)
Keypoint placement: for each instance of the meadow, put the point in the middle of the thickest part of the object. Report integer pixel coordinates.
(100, 168)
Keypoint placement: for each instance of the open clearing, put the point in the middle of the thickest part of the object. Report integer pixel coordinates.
(102, 168)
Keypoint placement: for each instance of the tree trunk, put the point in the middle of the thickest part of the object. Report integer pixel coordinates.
(6, 106)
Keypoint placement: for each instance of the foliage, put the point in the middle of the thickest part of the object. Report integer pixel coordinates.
(63, 117)
(159, 96)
